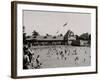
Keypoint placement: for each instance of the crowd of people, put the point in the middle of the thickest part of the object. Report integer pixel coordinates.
(30, 60)
(77, 55)
(47, 56)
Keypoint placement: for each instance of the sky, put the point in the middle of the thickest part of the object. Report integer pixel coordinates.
(55, 23)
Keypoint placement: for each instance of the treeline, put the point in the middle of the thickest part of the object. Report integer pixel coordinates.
(66, 36)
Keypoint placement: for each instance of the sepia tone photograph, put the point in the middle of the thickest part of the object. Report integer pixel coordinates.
(54, 39)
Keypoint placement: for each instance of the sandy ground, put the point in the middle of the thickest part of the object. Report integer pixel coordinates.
(63, 56)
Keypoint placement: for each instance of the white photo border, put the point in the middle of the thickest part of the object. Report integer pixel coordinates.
(50, 71)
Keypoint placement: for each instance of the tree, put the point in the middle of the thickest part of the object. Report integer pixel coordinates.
(89, 36)
(54, 36)
(61, 34)
(68, 34)
(84, 36)
(35, 33)
(89, 41)
(47, 35)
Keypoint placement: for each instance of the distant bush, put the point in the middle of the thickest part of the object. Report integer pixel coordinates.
(54, 36)
(45, 36)
(34, 37)
(75, 43)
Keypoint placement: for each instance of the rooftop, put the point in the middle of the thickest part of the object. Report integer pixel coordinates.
(45, 38)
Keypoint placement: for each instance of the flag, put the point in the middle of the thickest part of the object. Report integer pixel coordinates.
(65, 24)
